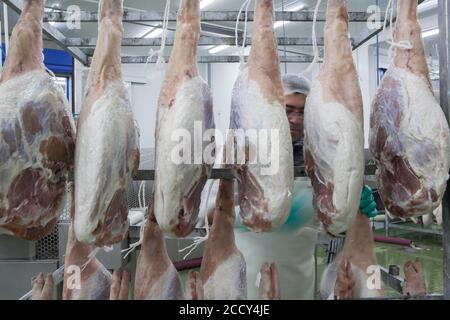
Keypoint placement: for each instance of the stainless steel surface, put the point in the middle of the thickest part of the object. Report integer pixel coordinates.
(52, 32)
(444, 66)
(395, 282)
(47, 247)
(12, 248)
(207, 16)
(17, 276)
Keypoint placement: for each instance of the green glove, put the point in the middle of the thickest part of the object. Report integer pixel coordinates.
(367, 204)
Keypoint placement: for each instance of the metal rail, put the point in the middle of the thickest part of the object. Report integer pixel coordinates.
(51, 32)
(444, 73)
(204, 41)
(213, 59)
(205, 16)
(300, 171)
(377, 31)
(414, 229)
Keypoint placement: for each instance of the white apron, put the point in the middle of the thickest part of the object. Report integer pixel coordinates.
(291, 247)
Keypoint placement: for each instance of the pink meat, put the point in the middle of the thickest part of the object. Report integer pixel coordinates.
(409, 136)
(37, 134)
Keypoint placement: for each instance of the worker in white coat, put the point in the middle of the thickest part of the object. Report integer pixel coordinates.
(292, 246)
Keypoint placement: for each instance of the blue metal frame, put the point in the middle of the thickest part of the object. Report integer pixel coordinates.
(59, 62)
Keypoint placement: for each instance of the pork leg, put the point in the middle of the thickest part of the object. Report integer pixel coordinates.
(185, 100)
(223, 269)
(37, 134)
(265, 187)
(409, 135)
(334, 138)
(107, 148)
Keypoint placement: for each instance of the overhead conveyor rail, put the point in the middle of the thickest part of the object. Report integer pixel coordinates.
(206, 16)
(203, 41)
(215, 59)
(52, 32)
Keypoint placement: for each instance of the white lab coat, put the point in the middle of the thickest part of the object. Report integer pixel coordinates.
(291, 247)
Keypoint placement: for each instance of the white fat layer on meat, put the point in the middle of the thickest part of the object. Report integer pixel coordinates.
(96, 287)
(335, 139)
(35, 87)
(438, 215)
(228, 282)
(428, 219)
(102, 151)
(173, 180)
(424, 122)
(256, 112)
(361, 290)
(166, 287)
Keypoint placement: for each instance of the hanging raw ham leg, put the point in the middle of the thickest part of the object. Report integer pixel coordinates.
(37, 134)
(43, 287)
(107, 149)
(194, 286)
(354, 274)
(120, 285)
(84, 278)
(269, 287)
(415, 284)
(265, 187)
(185, 101)
(409, 135)
(156, 276)
(223, 270)
(334, 138)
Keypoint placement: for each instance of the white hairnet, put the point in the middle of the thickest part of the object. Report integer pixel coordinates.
(295, 84)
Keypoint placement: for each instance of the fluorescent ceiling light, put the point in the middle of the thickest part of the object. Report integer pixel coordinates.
(294, 8)
(430, 33)
(218, 48)
(280, 23)
(54, 8)
(424, 6)
(205, 3)
(154, 33)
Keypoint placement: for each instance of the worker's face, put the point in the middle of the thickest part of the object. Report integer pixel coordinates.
(295, 107)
